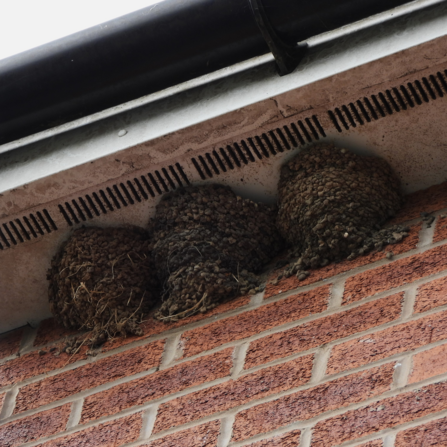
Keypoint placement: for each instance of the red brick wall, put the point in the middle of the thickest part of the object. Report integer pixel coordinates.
(354, 355)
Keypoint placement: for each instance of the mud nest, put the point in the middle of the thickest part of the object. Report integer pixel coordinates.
(208, 243)
(103, 280)
(332, 204)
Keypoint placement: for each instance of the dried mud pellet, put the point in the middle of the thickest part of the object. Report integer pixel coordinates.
(103, 280)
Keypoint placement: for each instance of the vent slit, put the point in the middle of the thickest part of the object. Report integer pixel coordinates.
(47, 215)
(290, 136)
(212, 164)
(219, 161)
(114, 199)
(429, 89)
(233, 156)
(11, 237)
(65, 216)
(297, 134)
(247, 151)
(141, 189)
(160, 179)
(175, 175)
(133, 191)
(36, 224)
(305, 132)
(348, 114)
(276, 142)
(78, 209)
(392, 101)
(28, 224)
(269, 144)
(84, 205)
(148, 187)
(226, 158)
(240, 153)
(16, 231)
(255, 149)
(261, 145)
(341, 118)
(24, 232)
(363, 110)
(407, 96)
(385, 103)
(312, 128)
(106, 200)
(1, 246)
(334, 120)
(399, 98)
(118, 193)
(371, 108)
(92, 205)
(437, 87)
(205, 167)
(319, 126)
(414, 94)
(422, 91)
(151, 178)
(5, 241)
(72, 213)
(378, 107)
(196, 165)
(283, 139)
(182, 173)
(356, 114)
(442, 80)
(168, 178)
(98, 201)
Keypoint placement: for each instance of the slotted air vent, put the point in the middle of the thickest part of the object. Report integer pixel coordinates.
(123, 194)
(386, 103)
(25, 229)
(256, 148)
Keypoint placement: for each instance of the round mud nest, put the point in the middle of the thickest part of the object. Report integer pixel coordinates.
(103, 280)
(208, 243)
(332, 204)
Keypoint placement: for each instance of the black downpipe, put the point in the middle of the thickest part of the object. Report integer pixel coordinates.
(152, 49)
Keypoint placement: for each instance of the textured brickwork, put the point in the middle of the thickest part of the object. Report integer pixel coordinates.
(34, 427)
(139, 391)
(233, 393)
(253, 322)
(323, 330)
(109, 434)
(387, 342)
(330, 364)
(309, 403)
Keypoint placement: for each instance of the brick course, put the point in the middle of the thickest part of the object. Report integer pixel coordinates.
(431, 295)
(432, 434)
(290, 439)
(428, 364)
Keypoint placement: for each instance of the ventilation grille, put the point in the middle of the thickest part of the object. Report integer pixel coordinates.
(258, 147)
(386, 103)
(123, 194)
(25, 229)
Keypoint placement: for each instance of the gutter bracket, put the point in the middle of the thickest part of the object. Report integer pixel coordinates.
(287, 56)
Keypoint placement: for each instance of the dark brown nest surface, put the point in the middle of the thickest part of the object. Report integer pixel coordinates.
(332, 204)
(208, 242)
(103, 280)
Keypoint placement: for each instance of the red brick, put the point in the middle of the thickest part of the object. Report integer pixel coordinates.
(35, 363)
(290, 439)
(431, 434)
(425, 201)
(35, 427)
(201, 436)
(377, 443)
(234, 392)
(10, 343)
(110, 434)
(440, 229)
(395, 274)
(50, 331)
(428, 364)
(255, 321)
(307, 404)
(380, 415)
(382, 344)
(89, 376)
(153, 327)
(431, 295)
(286, 284)
(323, 330)
(169, 381)
(2, 400)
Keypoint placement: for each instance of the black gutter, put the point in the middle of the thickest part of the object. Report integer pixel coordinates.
(155, 48)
